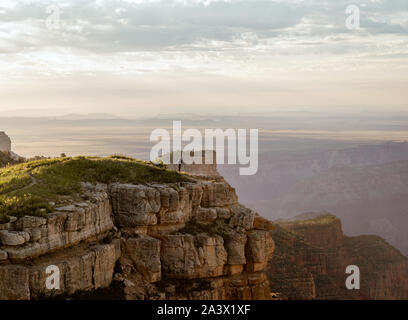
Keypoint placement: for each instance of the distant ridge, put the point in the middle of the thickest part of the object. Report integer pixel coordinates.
(93, 116)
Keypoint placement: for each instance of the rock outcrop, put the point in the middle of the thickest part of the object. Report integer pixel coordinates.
(5, 142)
(312, 255)
(189, 240)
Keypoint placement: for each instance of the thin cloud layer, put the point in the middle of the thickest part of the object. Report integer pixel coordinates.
(245, 39)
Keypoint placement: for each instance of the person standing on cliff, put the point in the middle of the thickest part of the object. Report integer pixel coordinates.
(181, 162)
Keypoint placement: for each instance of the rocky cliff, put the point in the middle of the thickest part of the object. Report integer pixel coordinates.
(186, 240)
(183, 238)
(5, 142)
(312, 254)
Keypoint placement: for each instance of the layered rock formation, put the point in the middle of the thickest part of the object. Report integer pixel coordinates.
(312, 255)
(160, 241)
(5, 142)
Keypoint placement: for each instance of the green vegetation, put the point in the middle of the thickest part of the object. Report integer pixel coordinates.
(193, 227)
(29, 188)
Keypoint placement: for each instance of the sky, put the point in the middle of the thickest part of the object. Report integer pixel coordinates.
(144, 57)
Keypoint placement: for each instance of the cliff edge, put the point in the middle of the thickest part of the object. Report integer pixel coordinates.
(181, 239)
(312, 255)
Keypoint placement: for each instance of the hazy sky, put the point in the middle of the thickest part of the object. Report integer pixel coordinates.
(142, 57)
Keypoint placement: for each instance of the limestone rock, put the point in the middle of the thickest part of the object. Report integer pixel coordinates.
(206, 214)
(14, 283)
(188, 256)
(235, 246)
(218, 194)
(188, 240)
(242, 217)
(3, 255)
(223, 213)
(29, 222)
(81, 269)
(260, 247)
(135, 205)
(144, 252)
(13, 238)
(66, 229)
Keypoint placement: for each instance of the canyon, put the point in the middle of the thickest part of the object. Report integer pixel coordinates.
(365, 186)
(159, 241)
(312, 255)
(188, 240)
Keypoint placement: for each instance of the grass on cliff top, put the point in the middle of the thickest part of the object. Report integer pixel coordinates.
(317, 220)
(28, 188)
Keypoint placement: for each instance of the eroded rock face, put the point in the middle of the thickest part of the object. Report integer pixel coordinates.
(5, 142)
(160, 241)
(311, 258)
(260, 247)
(14, 283)
(81, 269)
(207, 242)
(144, 252)
(193, 257)
(135, 205)
(38, 236)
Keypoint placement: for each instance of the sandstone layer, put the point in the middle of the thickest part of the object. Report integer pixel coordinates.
(159, 241)
(312, 255)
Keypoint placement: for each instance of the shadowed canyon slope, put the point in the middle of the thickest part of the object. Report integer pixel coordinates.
(312, 255)
(366, 186)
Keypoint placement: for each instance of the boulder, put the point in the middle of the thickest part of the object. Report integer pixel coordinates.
(188, 256)
(242, 217)
(13, 238)
(205, 214)
(135, 205)
(218, 194)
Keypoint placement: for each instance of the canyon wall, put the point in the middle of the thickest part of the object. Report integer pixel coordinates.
(160, 241)
(312, 255)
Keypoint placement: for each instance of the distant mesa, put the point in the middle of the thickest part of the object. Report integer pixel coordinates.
(88, 116)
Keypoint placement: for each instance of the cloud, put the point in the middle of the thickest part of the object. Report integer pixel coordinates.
(118, 26)
(254, 43)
